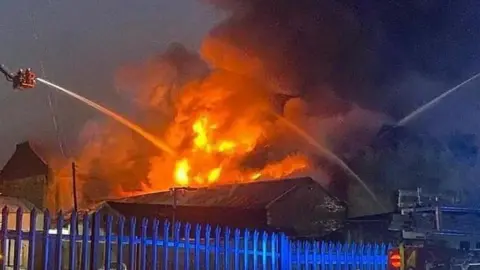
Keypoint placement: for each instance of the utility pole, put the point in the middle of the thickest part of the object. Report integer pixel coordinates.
(174, 192)
(74, 186)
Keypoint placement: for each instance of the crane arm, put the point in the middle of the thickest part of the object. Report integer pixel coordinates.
(7, 74)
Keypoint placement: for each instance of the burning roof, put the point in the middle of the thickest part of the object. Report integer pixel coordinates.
(254, 195)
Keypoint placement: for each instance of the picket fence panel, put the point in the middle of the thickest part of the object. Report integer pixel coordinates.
(39, 241)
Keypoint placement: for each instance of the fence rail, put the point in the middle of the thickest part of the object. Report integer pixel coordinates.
(39, 241)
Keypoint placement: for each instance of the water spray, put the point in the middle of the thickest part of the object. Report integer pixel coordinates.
(330, 155)
(434, 101)
(145, 134)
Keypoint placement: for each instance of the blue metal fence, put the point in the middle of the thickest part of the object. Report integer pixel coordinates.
(37, 241)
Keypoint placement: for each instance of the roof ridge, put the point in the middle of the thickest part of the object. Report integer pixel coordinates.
(220, 186)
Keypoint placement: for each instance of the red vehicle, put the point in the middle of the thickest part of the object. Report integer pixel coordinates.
(431, 258)
(437, 233)
(22, 79)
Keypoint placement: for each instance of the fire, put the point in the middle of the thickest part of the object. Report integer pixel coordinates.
(216, 127)
(205, 147)
(182, 169)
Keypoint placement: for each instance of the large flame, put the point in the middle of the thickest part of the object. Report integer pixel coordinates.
(218, 123)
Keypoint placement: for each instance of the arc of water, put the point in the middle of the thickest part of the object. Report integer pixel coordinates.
(434, 101)
(148, 136)
(331, 156)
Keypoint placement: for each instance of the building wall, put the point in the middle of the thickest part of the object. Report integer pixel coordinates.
(361, 203)
(369, 231)
(306, 211)
(34, 189)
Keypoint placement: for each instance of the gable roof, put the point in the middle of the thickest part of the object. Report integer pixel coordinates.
(25, 162)
(253, 195)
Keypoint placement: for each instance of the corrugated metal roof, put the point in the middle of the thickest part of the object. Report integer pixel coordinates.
(246, 195)
(25, 162)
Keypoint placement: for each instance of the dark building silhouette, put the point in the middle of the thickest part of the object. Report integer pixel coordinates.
(27, 175)
(300, 206)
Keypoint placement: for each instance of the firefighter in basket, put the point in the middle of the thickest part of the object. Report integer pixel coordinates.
(23, 79)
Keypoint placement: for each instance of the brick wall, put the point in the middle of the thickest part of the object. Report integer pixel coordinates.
(34, 189)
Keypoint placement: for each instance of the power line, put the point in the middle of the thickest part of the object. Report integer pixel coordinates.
(50, 95)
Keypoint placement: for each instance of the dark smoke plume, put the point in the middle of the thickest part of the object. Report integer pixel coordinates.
(361, 50)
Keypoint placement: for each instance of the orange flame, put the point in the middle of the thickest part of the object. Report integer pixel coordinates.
(217, 123)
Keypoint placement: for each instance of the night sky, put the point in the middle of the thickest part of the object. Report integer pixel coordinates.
(410, 52)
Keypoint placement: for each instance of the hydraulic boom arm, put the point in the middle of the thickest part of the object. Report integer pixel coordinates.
(9, 76)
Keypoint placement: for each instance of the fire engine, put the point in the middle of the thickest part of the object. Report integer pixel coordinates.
(437, 231)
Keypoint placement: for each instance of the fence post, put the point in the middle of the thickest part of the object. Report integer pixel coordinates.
(316, 249)
(346, 254)
(353, 254)
(283, 252)
(95, 236)
(131, 243)
(255, 249)
(4, 236)
(85, 241)
(264, 250)
(155, 224)
(246, 240)
(32, 239)
(273, 250)
(121, 227)
(18, 239)
(108, 242)
(198, 230)
(186, 234)
(166, 243)
(208, 230)
(329, 257)
(323, 254)
(217, 248)
(143, 246)
(298, 259)
(176, 241)
(226, 241)
(339, 257)
(236, 250)
(306, 249)
(73, 240)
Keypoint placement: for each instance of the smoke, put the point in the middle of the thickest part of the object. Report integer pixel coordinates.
(356, 65)
(337, 69)
(359, 50)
